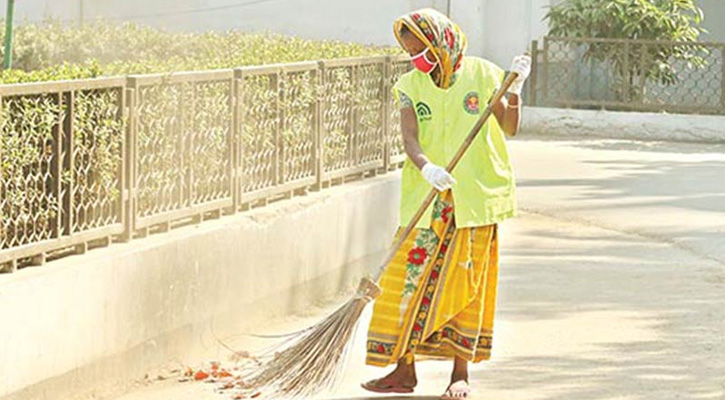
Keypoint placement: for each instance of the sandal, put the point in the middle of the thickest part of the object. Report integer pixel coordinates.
(377, 386)
(456, 391)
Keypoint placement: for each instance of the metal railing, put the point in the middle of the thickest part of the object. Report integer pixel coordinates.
(621, 74)
(84, 162)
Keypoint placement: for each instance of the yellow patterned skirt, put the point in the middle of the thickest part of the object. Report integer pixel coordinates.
(439, 294)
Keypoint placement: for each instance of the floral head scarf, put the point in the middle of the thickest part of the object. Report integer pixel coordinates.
(443, 37)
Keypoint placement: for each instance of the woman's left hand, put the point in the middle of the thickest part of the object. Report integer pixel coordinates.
(522, 66)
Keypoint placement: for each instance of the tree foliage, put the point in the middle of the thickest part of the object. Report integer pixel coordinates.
(676, 20)
(659, 20)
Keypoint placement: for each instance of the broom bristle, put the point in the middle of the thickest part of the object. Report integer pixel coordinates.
(312, 359)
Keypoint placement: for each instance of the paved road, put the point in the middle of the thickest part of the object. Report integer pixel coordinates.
(669, 192)
(612, 281)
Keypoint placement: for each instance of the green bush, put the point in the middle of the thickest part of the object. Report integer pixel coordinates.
(51, 51)
(666, 20)
(676, 20)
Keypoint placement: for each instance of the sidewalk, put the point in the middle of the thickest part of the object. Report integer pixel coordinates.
(584, 313)
(612, 282)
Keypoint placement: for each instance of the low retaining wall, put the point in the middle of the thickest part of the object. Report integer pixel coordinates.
(81, 324)
(623, 125)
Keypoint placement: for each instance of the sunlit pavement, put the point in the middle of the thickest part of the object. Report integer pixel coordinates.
(612, 282)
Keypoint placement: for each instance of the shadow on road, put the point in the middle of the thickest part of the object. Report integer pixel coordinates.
(605, 316)
(672, 192)
(384, 397)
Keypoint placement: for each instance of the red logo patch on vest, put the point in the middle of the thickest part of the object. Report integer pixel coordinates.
(470, 103)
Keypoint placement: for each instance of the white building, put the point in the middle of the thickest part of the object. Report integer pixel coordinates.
(496, 29)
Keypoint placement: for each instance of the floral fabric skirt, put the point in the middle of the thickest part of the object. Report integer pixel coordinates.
(439, 294)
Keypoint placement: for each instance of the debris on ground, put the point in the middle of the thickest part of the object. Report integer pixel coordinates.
(228, 378)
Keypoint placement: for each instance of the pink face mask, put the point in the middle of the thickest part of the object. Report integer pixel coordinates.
(422, 63)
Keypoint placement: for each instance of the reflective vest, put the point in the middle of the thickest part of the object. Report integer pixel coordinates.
(485, 190)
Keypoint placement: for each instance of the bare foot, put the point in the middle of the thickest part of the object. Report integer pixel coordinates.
(458, 390)
(401, 380)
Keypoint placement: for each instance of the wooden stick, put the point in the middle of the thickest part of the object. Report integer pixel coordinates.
(461, 151)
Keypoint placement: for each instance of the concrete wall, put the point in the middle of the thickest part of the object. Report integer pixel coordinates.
(622, 125)
(497, 29)
(83, 322)
(714, 20)
(368, 22)
(509, 28)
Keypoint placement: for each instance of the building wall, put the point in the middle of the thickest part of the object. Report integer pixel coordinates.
(497, 29)
(714, 20)
(367, 22)
(510, 26)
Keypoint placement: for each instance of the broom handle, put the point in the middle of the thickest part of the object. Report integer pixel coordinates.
(461, 151)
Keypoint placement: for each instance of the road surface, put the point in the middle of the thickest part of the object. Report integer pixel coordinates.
(612, 281)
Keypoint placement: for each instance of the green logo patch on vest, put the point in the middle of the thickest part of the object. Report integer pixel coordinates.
(423, 111)
(470, 103)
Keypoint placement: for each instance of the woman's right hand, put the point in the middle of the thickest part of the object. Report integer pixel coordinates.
(437, 176)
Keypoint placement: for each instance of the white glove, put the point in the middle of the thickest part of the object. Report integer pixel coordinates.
(437, 176)
(522, 66)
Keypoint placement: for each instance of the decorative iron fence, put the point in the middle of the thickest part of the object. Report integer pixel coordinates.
(621, 74)
(89, 161)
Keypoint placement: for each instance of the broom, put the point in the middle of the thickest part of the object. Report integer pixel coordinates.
(312, 358)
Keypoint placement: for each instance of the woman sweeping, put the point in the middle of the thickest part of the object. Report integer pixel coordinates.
(439, 291)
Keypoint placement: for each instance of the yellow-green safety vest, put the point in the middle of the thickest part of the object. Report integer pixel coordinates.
(485, 190)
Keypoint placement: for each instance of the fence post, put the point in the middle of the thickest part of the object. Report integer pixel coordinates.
(277, 126)
(12, 265)
(239, 172)
(722, 78)
(56, 165)
(627, 76)
(234, 140)
(643, 70)
(187, 133)
(2, 180)
(68, 161)
(129, 157)
(183, 180)
(123, 114)
(352, 139)
(322, 134)
(282, 126)
(317, 126)
(534, 72)
(387, 75)
(545, 91)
